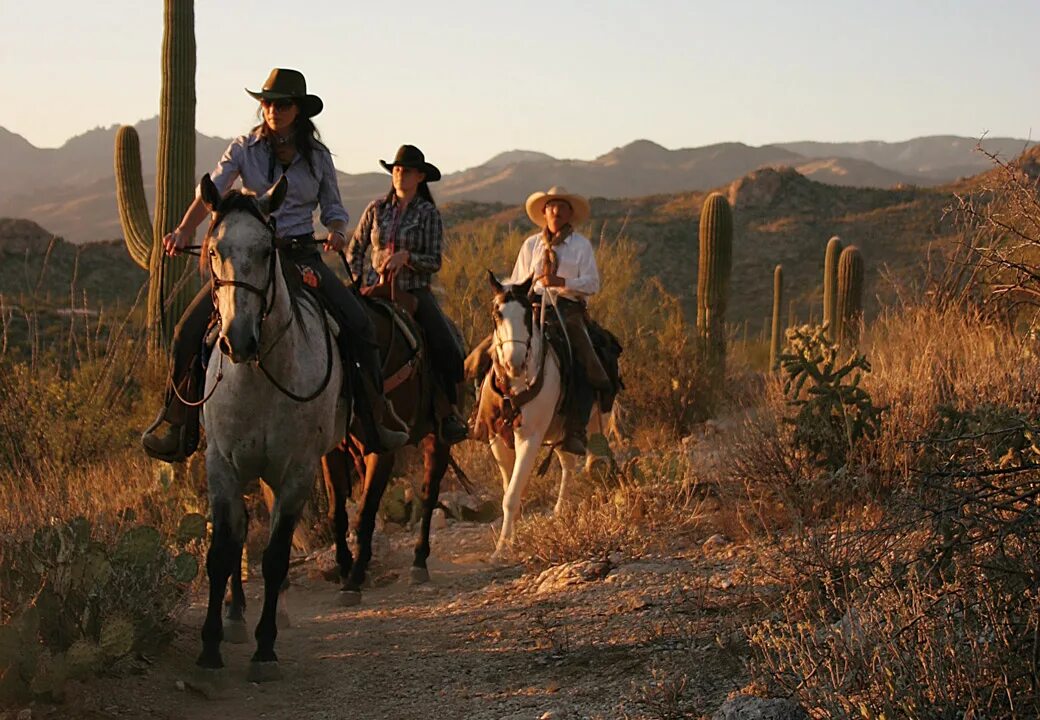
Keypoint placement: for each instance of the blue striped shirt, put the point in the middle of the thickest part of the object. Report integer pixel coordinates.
(249, 157)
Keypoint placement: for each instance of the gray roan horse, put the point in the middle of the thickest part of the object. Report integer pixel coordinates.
(272, 335)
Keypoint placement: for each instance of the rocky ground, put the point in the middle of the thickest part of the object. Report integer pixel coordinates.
(648, 637)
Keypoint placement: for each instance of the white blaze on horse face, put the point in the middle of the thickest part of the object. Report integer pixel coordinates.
(513, 337)
(240, 251)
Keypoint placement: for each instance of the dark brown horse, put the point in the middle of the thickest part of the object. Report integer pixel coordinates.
(409, 385)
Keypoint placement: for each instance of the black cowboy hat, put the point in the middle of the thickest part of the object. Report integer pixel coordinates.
(283, 84)
(410, 156)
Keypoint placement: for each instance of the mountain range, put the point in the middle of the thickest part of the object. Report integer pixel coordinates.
(71, 189)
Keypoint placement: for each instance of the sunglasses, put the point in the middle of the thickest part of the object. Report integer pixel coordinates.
(278, 104)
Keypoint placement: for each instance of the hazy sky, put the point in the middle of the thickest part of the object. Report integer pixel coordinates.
(465, 80)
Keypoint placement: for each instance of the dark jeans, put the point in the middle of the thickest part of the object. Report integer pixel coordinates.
(188, 336)
(444, 351)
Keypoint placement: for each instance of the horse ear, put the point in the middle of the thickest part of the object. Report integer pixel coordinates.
(525, 287)
(209, 193)
(272, 199)
(493, 281)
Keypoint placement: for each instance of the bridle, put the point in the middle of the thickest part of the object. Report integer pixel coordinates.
(501, 376)
(269, 290)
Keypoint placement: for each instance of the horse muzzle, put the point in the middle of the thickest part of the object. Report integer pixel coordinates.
(239, 346)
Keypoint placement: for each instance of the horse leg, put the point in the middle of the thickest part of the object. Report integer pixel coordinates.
(235, 630)
(435, 457)
(526, 455)
(377, 474)
(229, 529)
(284, 515)
(568, 465)
(506, 458)
(336, 469)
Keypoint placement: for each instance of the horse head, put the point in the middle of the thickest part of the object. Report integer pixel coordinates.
(512, 314)
(240, 250)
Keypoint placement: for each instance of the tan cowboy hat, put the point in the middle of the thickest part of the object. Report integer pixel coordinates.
(536, 205)
(283, 84)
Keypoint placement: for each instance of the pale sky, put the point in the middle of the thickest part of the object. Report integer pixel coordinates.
(467, 79)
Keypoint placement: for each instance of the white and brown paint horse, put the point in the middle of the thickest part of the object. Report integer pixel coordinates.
(527, 370)
(273, 408)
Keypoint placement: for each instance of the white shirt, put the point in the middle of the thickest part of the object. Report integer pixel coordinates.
(575, 258)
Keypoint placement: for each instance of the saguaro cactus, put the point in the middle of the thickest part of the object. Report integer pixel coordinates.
(830, 283)
(774, 340)
(849, 312)
(715, 262)
(174, 175)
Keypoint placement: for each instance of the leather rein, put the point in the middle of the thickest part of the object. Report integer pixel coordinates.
(516, 399)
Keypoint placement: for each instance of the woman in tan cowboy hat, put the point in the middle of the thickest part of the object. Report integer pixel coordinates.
(405, 234)
(287, 143)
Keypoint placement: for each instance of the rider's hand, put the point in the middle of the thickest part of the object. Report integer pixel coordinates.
(335, 241)
(174, 241)
(396, 261)
(552, 281)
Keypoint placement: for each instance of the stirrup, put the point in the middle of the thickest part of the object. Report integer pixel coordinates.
(171, 447)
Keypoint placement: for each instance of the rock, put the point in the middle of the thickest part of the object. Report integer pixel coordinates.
(715, 543)
(439, 521)
(463, 506)
(25, 714)
(180, 685)
(572, 573)
(747, 707)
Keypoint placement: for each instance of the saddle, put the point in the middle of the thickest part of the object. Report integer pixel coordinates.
(386, 289)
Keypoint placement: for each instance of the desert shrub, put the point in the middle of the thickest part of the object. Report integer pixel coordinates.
(77, 598)
(649, 502)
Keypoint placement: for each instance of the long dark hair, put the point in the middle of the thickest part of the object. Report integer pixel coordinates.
(422, 191)
(305, 136)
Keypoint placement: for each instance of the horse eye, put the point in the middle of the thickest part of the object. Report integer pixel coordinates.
(213, 253)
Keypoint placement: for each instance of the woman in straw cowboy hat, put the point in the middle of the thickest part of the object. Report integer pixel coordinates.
(287, 143)
(405, 234)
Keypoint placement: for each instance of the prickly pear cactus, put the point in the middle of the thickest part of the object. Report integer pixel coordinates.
(713, 271)
(774, 340)
(80, 603)
(849, 314)
(175, 176)
(830, 282)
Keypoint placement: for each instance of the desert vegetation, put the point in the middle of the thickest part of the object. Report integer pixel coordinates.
(878, 475)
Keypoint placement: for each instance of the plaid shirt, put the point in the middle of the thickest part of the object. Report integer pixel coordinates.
(419, 231)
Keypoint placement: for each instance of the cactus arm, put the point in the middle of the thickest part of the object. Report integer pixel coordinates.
(850, 296)
(774, 340)
(133, 208)
(830, 284)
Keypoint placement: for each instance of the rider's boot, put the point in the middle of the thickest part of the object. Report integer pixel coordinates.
(372, 405)
(174, 435)
(577, 415)
(451, 428)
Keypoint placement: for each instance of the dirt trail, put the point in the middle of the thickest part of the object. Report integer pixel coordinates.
(581, 640)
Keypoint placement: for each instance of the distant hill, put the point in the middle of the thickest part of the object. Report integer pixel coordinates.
(780, 216)
(71, 189)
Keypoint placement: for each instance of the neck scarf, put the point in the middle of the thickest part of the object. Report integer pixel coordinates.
(550, 262)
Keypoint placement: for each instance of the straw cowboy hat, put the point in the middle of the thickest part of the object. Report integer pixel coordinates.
(410, 156)
(536, 205)
(285, 84)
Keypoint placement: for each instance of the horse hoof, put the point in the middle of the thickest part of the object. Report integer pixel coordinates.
(260, 672)
(349, 598)
(236, 632)
(209, 682)
(418, 575)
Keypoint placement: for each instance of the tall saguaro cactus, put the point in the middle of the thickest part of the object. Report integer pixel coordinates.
(849, 312)
(713, 270)
(830, 283)
(774, 339)
(174, 175)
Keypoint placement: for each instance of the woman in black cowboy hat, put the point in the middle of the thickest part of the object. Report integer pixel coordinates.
(284, 143)
(405, 234)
